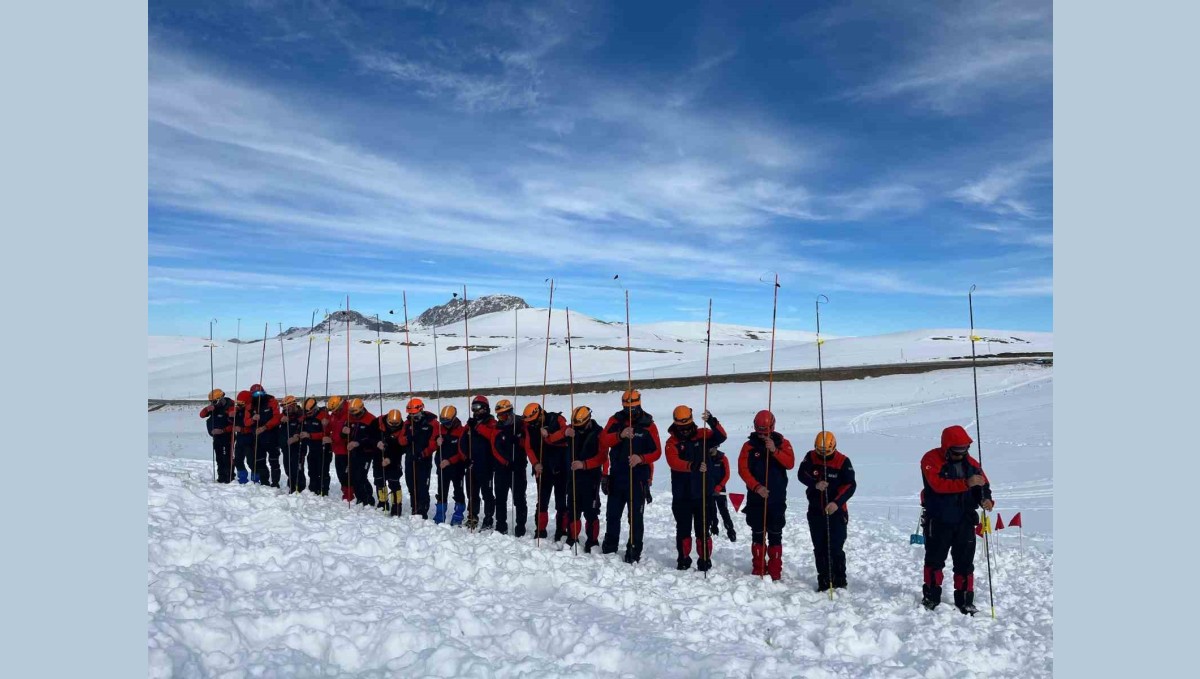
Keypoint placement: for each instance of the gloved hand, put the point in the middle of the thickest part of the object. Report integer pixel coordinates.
(604, 485)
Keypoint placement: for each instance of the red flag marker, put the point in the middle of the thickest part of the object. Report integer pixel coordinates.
(979, 530)
(1015, 520)
(999, 523)
(736, 499)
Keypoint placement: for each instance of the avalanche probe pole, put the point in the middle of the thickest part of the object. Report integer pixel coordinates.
(704, 445)
(328, 415)
(303, 404)
(824, 457)
(261, 365)
(286, 427)
(574, 494)
(237, 354)
(351, 501)
(542, 438)
(212, 380)
(770, 393)
(470, 430)
(412, 438)
(987, 550)
(437, 383)
(379, 371)
(629, 379)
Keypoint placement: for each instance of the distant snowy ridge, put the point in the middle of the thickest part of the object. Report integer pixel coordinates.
(452, 311)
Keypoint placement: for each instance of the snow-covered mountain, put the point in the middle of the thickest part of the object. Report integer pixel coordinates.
(515, 340)
(452, 311)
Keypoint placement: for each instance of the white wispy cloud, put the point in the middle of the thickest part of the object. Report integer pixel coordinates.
(1002, 188)
(962, 54)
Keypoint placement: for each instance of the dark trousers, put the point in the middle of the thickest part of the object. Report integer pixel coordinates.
(584, 500)
(319, 457)
(719, 504)
(365, 460)
(515, 478)
(829, 553)
(223, 458)
(956, 540)
(556, 485)
(690, 514)
(618, 499)
(416, 476)
(451, 478)
(479, 485)
(341, 465)
(293, 461)
(775, 519)
(261, 447)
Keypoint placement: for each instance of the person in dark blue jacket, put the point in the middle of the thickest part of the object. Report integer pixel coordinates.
(763, 463)
(451, 466)
(828, 479)
(291, 421)
(690, 452)
(954, 487)
(219, 418)
(476, 446)
(631, 438)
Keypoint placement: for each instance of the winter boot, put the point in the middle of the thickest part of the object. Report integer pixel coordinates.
(839, 582)
(593, 536)
(254, 478)
(964, 601)
(729, 531)
(822, 583)
(519, 531)
(472, 523)
(397, 504)
(714, 527)
(456, 519)
(501, 528)
(243, 477)
(487, 523)
(775, 561)
(543, 518)
(964, 594)
(634, 554)
(573, 533)
(439, 513)
(382, 501)
(684, 561)
(705, 561)
(758, 553)
(347, 493)
(560, 527)
(931, 590)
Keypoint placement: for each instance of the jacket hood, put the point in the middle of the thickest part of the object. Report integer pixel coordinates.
(955, 436)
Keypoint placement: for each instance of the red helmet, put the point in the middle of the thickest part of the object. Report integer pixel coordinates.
(480, 403)
(243, 397)
(257, 389)
(764, 422)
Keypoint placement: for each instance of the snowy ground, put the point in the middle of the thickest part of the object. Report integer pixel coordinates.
(246, 581)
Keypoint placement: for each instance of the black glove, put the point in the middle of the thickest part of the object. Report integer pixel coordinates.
(604, 485)
(649, 499)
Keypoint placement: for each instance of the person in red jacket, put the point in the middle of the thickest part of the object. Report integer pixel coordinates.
(418, 439)
(954, 487)
(451, 466)
(243, 443)
(362, 435)
(689, 452)
(262, 416)
(219, 418)
(588, 457)
(390, 428)
(828, 479)
(511, 455)
(763, 463)
(550, 457)
(335, 428)
(476, 447)
(314, 443)
(631, 438)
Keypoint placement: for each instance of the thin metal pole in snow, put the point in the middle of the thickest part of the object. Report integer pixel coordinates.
(542, 437)
(987, 550)
(824, 456)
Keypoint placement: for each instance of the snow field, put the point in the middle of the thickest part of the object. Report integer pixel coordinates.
(248, 581)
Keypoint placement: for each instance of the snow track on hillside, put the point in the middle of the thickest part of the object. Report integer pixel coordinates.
(246, 581)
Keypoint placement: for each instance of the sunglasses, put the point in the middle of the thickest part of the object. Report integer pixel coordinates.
(478, 406)
(958, 450)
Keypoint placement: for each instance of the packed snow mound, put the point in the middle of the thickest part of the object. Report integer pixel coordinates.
(245, 580)
(453, 311)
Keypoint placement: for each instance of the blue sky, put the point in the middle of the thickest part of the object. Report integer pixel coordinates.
(888, 155)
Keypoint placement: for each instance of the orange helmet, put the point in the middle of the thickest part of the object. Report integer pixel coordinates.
(503, 406)
(415, 406)
(333, 403)
(395, 418)
(631, 398)
(448, 413)
(580, 416)
(216, 395)
(356, 406)
(533, 412)
(825, 442)
(682, 415)
(288, 400)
